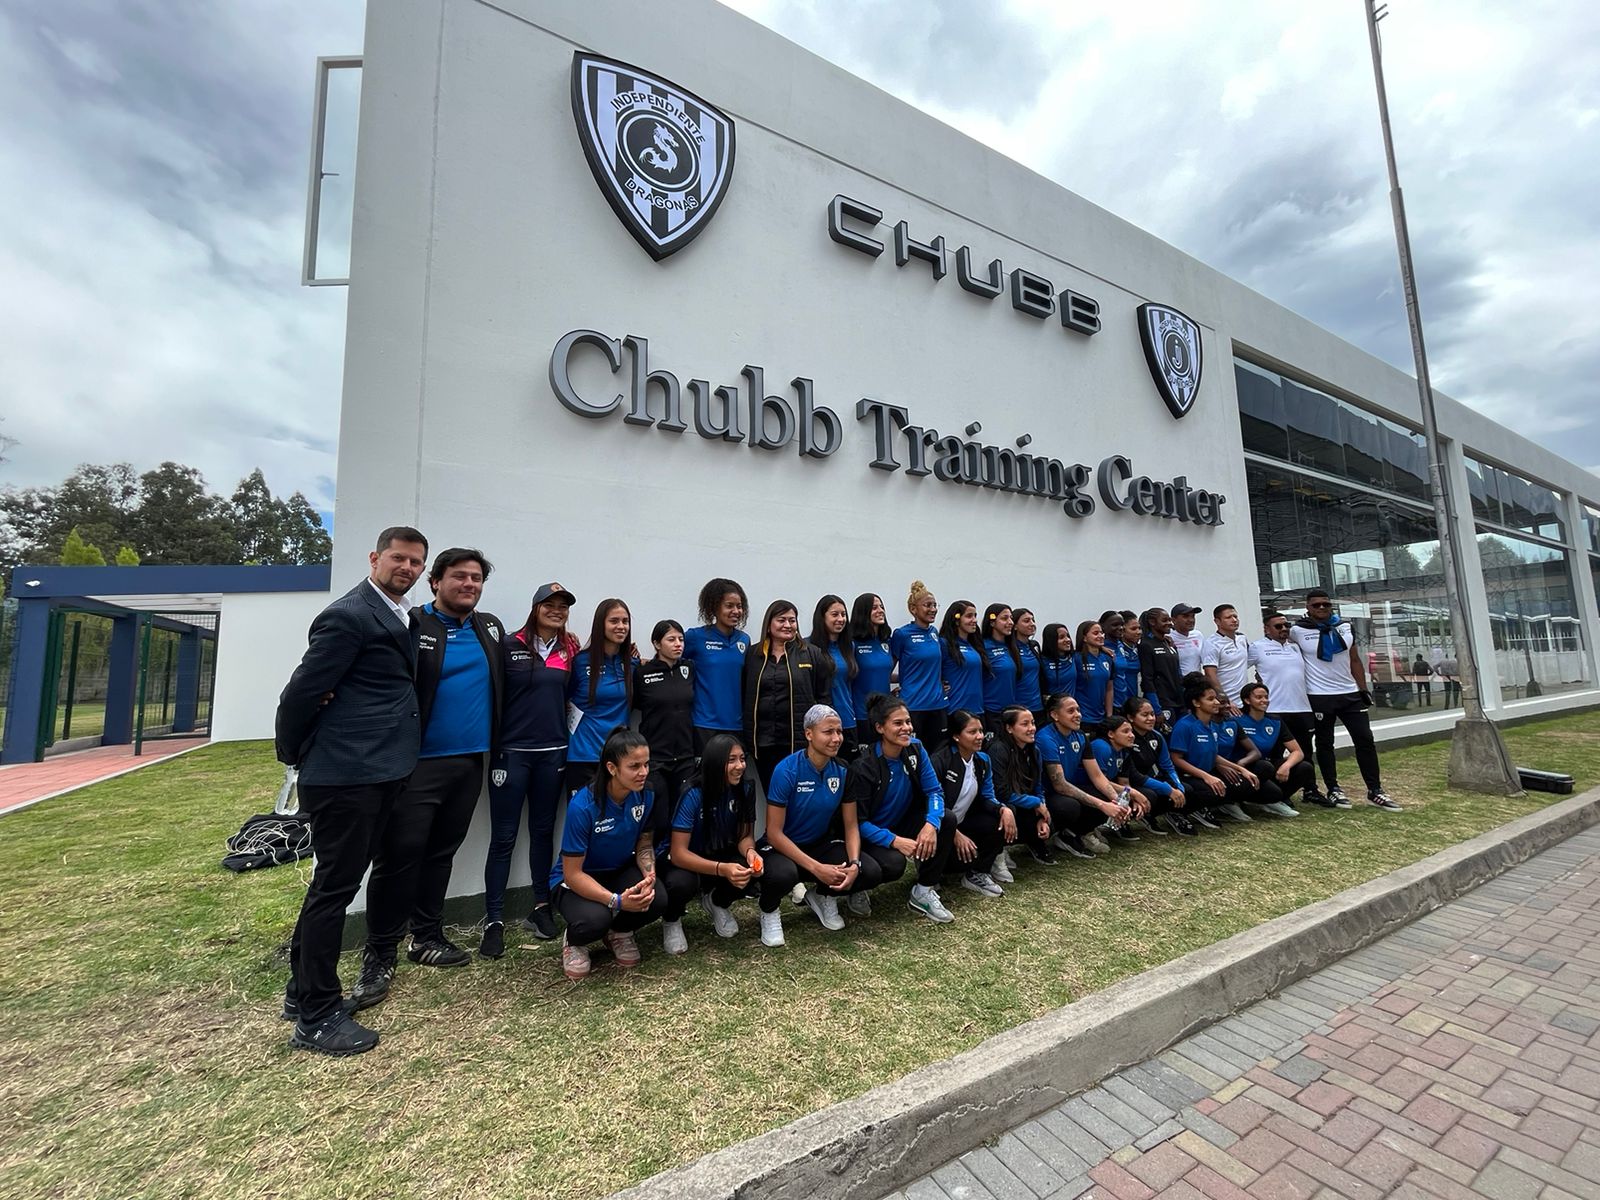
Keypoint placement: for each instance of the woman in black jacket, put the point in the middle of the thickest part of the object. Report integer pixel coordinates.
(983, 824)
(784, 675)
(663, 694)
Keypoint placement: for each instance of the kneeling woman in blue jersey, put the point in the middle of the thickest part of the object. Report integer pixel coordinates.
(1149, 753)
(983, 824)
(713, 852)
(1194, 753)
(1114, 771)
(812, 835)
(605, 880)
(900, 806)
(1283, 764)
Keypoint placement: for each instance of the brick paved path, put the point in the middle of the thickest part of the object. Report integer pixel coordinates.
(1459, 1057)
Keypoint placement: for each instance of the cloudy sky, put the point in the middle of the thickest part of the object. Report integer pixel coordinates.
(155, 157)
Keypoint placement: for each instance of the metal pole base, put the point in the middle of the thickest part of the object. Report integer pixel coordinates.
(1479, 761)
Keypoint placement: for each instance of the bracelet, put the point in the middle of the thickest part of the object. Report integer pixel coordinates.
(616, 902)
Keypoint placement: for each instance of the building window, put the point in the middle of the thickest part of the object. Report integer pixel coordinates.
(1506, 499)
(1533, 616)
(1378, 555)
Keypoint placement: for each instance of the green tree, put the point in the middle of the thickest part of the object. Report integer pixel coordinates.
(305, 539)
(126, 557)
(179, 521)
(260, 521)
(75, 552)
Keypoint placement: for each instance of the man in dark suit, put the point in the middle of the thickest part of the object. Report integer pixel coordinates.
(460, 679)
(348, 720)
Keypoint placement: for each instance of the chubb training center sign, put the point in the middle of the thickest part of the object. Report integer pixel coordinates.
(663, 159)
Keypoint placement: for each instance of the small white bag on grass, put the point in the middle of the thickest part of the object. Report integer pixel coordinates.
(289, 793)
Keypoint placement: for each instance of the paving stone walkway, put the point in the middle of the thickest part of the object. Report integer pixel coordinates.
(1459, 1057)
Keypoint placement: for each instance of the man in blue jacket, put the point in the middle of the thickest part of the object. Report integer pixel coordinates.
(347, 719)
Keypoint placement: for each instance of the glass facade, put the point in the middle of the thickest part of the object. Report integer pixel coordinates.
(1527, 571)
(1339, 500)
(1591, 530)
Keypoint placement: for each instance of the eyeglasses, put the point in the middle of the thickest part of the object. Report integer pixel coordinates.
(1279, 625)
(1320, 604)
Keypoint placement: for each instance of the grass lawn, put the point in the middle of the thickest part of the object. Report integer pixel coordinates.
(141, 1054)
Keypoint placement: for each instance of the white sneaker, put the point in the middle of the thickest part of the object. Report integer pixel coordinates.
(861, 903)
(771, 928)
(672, 939)
(826, 908)
(983, 884)
(1001, 871)
(722, 919)
(926, 901)
(797, 894)
(1281, 809)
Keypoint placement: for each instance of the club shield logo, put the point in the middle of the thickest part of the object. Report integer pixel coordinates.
(1172, 350)
(661, 155)
(497, 777)
(833, 784)
(684, 670)
(637, 812)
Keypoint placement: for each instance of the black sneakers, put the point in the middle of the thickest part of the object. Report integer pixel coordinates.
(1179, 824)
(542, 922)
(493, 944)
(291, 1008)
(373, 985)
(1042, 855)
(1317, 798)
(341, 1035)
(438, 952)
(1379, 798)
(1204, 819)
(1337, 796)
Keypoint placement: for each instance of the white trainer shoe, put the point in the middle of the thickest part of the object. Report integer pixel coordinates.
(826, 909)
(926, 901)
(771, 928)
(722, 919)
(1001, 871)
(672, 939)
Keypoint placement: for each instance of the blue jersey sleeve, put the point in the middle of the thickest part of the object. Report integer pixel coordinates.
(579, 823)
(782, 789)
(1168, 768)
(688, 814)
(928, 780)
(1105, 757)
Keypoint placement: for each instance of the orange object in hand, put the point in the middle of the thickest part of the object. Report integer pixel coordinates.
(755, 862)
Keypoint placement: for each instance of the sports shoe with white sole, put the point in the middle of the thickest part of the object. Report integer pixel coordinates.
(673, 940)
(1279, 808)
(1336, 794)
(722, 919)
(771, 928)
(926, 901)
(1381, 799)
(1001, 871)
(574, 961)
(1072, 845)
(1094, 843)
(826, 909)
(624, 948)
(982, 883)
(861, 903)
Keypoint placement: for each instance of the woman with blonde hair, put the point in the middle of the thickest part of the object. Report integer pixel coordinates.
(917, 653)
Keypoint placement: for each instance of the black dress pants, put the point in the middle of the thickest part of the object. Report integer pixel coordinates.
(411, 869)
(346, 822)
(1351, 712)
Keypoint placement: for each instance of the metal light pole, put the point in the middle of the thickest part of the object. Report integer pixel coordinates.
(1479, 761)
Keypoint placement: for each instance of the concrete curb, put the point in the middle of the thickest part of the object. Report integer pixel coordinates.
(868, 1146)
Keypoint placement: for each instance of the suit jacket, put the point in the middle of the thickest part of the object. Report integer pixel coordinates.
(369, 732)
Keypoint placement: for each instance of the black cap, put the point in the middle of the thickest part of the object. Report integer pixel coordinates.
(1183, 610)
(553, 591)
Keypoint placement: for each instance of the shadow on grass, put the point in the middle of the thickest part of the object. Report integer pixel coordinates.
(142, 1054)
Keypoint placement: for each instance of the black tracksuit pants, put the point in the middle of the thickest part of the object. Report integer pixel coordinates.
(411, 869)
(782, 872)
(589, 920)
(683, 885)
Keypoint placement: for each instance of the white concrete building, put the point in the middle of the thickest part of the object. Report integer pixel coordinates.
(847, 242)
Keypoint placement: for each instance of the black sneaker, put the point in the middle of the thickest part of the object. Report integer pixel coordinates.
(1204, 819)
(1379, 798)
(438, 952)
(1152, 826)
(1336, 794)
(1071, 845)
(341, 1035)
(291, 1008)
(373, 985)
(493, 944)
(1312, 796)
(1042, 855)
(1179, 824)
(542, 922)
(1120, 833)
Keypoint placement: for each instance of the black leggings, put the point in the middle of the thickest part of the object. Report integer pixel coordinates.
(1301, 776)
(782, 872)
(1352, 714)
(683, 885)
(767, 760)
(982, 825)
(1198, 794)
(1068, 817)
(669, 779)
(589, 921)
